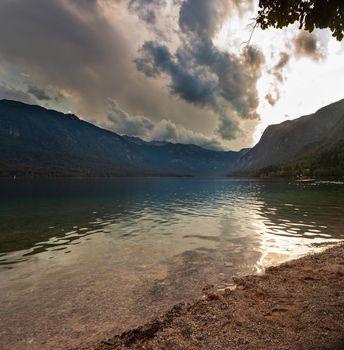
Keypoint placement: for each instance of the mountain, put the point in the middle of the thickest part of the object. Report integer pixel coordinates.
(297, 145)
(39, 141)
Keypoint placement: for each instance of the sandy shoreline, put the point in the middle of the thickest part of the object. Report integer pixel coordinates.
(297, 305)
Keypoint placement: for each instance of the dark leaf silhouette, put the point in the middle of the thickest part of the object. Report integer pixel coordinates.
(310, 14)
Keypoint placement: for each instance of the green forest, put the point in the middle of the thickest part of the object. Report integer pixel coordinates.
(325, 162)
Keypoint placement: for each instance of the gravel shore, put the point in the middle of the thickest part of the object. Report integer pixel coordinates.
(297, 305)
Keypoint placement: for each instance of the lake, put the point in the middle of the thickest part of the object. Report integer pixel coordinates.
(81, 259)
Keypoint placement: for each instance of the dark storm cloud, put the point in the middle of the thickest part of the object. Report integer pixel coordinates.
(306, 44)
(202, 74)
(193, 84)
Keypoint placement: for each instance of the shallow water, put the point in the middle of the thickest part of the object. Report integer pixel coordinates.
(81, 259)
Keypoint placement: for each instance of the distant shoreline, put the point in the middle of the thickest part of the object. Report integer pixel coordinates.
(297, 305)
(62, 176)
(157, 176)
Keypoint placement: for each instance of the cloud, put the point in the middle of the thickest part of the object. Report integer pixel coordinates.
(85, 50)
(203, 17)
(228, 128)
(146, 10)
(38, 93)
(201, 73)
(307, 45)
(194, 84)
(278, 68)
(67, 44)
(284, 59)
(124, 124)
(206, 76)
(10, 93)
(278, 78)
(273, 96)
(164, 130)
(159, 16)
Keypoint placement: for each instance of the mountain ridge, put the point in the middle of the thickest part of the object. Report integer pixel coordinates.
(40, 141)
(289, 143)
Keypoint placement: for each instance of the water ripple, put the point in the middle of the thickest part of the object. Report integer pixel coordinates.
(199, 211)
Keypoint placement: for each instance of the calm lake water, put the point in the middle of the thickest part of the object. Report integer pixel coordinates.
(82, 259)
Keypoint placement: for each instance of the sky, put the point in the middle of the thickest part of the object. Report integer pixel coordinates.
(170, 70)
